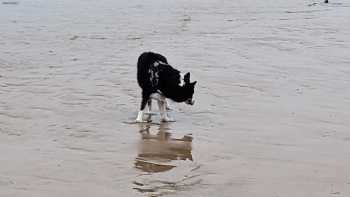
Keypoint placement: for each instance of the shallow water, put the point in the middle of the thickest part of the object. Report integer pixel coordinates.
(272, 102)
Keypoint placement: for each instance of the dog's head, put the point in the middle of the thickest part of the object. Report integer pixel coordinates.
(189, 89)
(170, 85)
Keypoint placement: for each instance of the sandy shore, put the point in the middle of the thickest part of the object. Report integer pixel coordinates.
(272, 103)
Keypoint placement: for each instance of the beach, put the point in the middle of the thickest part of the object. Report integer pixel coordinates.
(272, 110)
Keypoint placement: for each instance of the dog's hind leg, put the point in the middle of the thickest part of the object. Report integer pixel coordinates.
(162, 108)
(167, 105)
(149, 104)
(145, 99)
(149, 110)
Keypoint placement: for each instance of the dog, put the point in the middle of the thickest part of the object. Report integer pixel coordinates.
(160, 81)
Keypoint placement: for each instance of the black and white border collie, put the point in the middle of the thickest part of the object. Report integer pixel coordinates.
(158, 80)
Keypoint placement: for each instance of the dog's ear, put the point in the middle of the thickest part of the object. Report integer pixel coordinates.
(187, 78)
(194, 83)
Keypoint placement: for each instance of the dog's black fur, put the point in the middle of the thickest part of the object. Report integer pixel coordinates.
(155, 75)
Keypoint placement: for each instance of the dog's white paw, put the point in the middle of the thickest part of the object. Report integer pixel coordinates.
(140, 118)
(167, 119)
(143, 121)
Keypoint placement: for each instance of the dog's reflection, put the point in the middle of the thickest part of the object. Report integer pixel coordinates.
(157, 149)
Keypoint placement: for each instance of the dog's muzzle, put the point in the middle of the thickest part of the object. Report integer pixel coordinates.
(189, 102)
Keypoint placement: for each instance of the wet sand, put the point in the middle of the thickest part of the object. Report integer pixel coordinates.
(272, 103)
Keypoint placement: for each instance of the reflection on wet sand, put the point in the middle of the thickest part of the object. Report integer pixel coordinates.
(157, 149)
